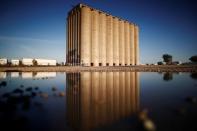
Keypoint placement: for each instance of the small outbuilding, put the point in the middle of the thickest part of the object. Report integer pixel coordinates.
(14, 62)
(27, 61)
(3, 61)
(46, 62)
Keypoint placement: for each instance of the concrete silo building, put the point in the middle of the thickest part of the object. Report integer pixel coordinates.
(96, 38)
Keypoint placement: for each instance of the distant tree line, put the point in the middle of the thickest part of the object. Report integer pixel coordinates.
(167, 58)
(193, 58)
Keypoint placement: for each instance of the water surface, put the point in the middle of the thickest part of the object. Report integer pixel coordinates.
(97, 100)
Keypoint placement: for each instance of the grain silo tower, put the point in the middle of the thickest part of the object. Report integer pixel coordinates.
(96, 38)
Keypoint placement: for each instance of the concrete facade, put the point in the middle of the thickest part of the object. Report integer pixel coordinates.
(96, 38)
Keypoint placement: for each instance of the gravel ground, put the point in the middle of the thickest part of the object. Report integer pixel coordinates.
(140, 68)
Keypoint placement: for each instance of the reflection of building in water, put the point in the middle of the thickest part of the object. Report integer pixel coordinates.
(26, 75)
(2, 75)
(14, 74)
(44, 74)
(99, 98)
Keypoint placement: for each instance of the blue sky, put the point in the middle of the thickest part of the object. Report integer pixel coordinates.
(37, 28)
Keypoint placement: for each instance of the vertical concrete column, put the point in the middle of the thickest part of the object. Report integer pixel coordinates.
(95, 38)
(69, 37)
(85, 36)
(109, 38)
(111, 42)
(121, 43)
(68, 40)
(132, 58)
(71, 44)
(74, 37)
(102, 38)
(116, 41)
(136, 45)
(78, 37)
(127, 56)
(76, 40)
(129, 45)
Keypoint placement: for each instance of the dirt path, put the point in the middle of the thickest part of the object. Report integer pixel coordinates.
(144, 68)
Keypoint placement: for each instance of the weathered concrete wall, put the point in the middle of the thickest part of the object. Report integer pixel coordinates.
(121, 43)
(109, 43)
(85, 36)
(127, 52)
(97, 38)
(132, 58)
(78, 36)
(129, 45)
(136, 45)
(116, 41)
(72, 40)
(102, 38)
